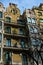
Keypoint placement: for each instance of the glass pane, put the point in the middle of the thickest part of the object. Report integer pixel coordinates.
(29, 20)
(41, 20)
(21, 31)
(33, 41)
(31, 29)
(7, 30)
(33, 20)
(0, 37)
(21, 22)
(35, 30)
(22, 44)
(8, 42)
(8, 19)
(25, 62)
(0, 25)
(8, 58)
(1, 14)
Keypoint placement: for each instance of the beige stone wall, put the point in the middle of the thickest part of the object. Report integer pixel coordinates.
(12, 15)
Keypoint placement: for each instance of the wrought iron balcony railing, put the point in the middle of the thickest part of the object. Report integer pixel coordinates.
(14, 24)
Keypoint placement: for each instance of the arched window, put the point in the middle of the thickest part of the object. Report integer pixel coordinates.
(1, 14)
(8, 19)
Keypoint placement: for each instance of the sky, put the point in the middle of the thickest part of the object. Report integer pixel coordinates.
(22, 4)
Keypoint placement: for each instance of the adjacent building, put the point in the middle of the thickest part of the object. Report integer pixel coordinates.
(39, 16)
(33, 33)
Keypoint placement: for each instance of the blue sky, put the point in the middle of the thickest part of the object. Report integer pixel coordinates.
(23, 4)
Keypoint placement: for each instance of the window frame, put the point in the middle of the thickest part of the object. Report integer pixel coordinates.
(0, 25)
(7, 19)
(30, 19)
(0, 54)
(8, 30)
(1, 14)
(8, 42)
(0, 38)
(36, 42)
(34, 20)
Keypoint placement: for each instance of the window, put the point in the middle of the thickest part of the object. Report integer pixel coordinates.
(33, 20)
(8, 42)
(40, 13)
(35, 41)
(35, 30)
(1, 14)
(8, 19)
(8, 58)
(0, 25)
(29, 20)
(21, 31)
(14, 11)
(24, 57)
(41, 20)
(20, 22)
(7, 30)
(31, 29)
(32, 41)
(22, 43)
(0, 37)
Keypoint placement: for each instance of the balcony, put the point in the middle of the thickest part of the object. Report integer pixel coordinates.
(15, 49)
(34, 35)
(15, 36)
(17, 25)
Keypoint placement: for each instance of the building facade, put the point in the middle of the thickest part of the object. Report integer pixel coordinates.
(19, 36)
(13, 37)
(33, 33)
(39, 16)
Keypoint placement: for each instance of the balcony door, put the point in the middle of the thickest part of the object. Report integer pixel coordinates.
(1, 14)
(24, 59)
(8, 30)
(8, 58)
(8, 19)
(22, 43)
(8, 42)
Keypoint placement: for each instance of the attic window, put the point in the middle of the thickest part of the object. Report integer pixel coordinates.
(14, 11)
